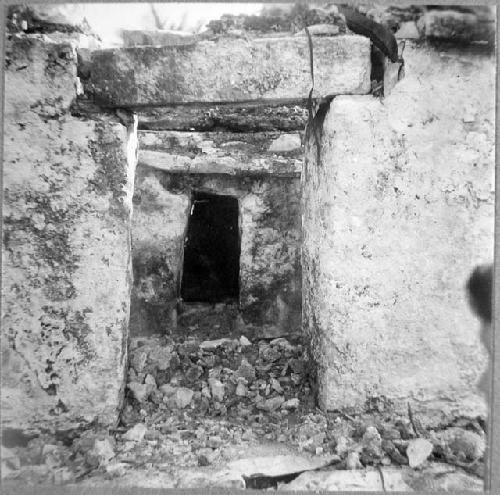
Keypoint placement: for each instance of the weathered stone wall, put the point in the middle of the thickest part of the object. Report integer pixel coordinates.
(397, 211)
(66, 271)
(270, 276)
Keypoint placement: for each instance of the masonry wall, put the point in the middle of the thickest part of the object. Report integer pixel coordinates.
(66, 273)
(262, 175)
(397, 211)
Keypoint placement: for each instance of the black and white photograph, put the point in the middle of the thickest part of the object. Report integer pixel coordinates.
(248, 246)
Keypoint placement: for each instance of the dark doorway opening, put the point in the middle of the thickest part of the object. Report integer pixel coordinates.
(211, 250)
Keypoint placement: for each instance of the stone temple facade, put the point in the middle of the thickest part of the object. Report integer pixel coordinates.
(359, 232)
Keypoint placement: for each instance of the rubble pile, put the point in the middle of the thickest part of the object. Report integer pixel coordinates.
(231, 379)
(200, 405)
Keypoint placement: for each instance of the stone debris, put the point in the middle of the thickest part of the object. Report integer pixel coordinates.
(466, 445)
(201, 406)
(341, 446)
(291, 403)
(217, 389)
(418, 451)
(241, 388)
(372, 445)
(206, 456)
(136, 433)
(140, 391)
(115, 470)
(221, 377)
(210, 345)
(101, 453)
(352, 461)
(183, 397)
(271, 404)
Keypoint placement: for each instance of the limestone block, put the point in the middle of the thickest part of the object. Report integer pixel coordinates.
(66, 251)
(39, 78)
(222, 152)
(230, 71)
(66, 269)
(397, 211)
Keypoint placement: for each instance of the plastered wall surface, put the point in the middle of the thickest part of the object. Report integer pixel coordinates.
(398, 210)
(66, 271)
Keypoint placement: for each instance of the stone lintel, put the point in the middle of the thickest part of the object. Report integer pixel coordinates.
(264, 153)
(229, 71)
(230, 117)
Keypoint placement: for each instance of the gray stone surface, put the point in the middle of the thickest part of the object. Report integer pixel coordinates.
(279, 154)
(436, 478)
(222, 71)
(66, 271)
(397, 212)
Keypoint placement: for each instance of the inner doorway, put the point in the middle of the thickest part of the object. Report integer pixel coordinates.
(211, 250)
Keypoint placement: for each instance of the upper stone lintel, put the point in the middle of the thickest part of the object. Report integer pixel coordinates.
(229, 71)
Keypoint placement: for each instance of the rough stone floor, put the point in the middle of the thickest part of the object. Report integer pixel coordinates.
(205, 410)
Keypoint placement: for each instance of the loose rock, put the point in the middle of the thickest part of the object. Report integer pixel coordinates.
(244, 342)
(149, 380)
(463, 444)
(210, 345)
(217, 389)
(418, 451)
(246, 370)
(372, 444)
(352, 461)
(291, 404)
(140, 391)
(183, 397)
(136, 434)
(167, 390)
(101, 453)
